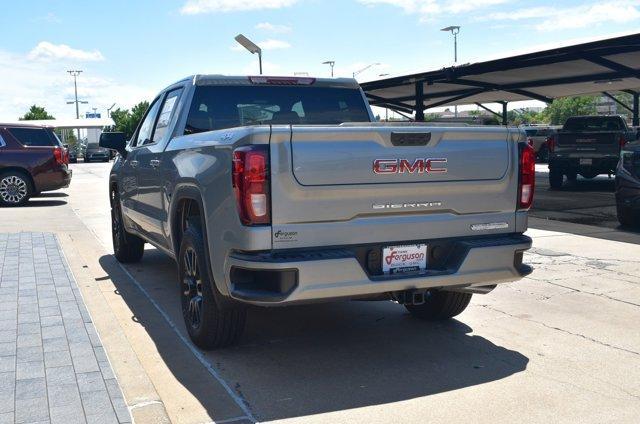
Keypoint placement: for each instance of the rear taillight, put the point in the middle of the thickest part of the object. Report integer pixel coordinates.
(251, 184)
(527, 177)
(622, 141)
(551, 143)
(61, 155)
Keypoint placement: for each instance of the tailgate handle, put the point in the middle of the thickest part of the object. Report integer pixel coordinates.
(410, 139)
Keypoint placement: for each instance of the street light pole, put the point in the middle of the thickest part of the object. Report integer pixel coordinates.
(251, 47)
(455, 30)
(331, 63)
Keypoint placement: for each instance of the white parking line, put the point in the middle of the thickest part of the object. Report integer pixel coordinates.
(193, 350)
(237, 399)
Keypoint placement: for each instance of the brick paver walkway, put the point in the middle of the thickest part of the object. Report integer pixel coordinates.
(53, 367)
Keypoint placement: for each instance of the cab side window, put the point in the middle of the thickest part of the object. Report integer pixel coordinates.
(166, 114)
(145, 131)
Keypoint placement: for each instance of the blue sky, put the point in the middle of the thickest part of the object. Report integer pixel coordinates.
(129, 50)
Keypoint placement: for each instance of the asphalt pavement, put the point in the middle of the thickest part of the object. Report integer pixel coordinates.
(559, 346)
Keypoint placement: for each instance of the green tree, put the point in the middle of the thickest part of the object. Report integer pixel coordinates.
(561, 109)
(36, 113)
(127, 120)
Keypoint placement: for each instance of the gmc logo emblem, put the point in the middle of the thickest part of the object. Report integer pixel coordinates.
(403, 166)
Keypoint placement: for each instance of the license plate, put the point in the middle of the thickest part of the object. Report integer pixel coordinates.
(586, 161)
(399, 259)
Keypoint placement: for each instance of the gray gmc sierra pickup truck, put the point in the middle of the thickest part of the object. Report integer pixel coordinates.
(281, 190)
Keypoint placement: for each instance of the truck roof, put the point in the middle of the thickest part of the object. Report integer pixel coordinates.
(218, 79)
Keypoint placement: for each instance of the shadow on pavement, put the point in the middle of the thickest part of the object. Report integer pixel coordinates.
(313, 359)
(53, 194)
(40, 203)
(586, 185)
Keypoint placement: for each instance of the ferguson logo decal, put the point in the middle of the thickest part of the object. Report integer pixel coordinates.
(404, 166)
(394, 256)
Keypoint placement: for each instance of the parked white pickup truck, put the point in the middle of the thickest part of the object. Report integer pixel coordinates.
(277, 190)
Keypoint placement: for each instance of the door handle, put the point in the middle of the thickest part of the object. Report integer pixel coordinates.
(154, 163)
(134, 163)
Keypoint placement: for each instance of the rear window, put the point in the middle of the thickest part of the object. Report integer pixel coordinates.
(594, 123)
(34, 137)
(218, 107)
(93, 146)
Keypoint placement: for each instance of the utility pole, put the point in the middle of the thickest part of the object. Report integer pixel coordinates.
(74, 74)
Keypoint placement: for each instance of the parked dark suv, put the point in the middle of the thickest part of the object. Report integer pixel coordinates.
(628, 186)
(32, 160)
(94, 152)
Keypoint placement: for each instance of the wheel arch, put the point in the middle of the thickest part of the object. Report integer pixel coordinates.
(186, 204)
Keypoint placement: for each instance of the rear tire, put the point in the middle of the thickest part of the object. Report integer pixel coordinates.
(127, 248)
(15, 188)
(211, 321)
(555, 178)
(440, 305)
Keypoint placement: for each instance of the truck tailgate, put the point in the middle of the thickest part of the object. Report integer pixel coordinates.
(586, 142)
(366, 184)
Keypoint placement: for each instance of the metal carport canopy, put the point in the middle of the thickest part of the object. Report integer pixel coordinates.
(601, 66)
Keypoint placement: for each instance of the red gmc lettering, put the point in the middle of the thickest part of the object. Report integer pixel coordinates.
(404, 166)
(385, 166)
(417, 166)
(439, 166)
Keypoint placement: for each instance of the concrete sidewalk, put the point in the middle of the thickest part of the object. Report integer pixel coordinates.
(53, 367)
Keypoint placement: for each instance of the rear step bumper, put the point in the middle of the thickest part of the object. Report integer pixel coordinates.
(310, 275)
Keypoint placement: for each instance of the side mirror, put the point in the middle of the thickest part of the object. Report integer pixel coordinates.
(114, 141)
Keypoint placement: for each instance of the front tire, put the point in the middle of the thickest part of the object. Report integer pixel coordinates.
(15, 188)
(440, 305)
(127, 248)
(211, 322)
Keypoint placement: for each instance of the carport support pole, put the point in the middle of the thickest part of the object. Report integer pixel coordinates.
(504, 113)
(636, 109)
(419, 102)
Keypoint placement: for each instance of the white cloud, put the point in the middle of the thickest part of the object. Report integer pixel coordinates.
(583, 16)
(278, 29)
(609, 12)
(46, 83)
(196, 7)
(428, 9)
(270, 44)
(46, 51)
(50, 18)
